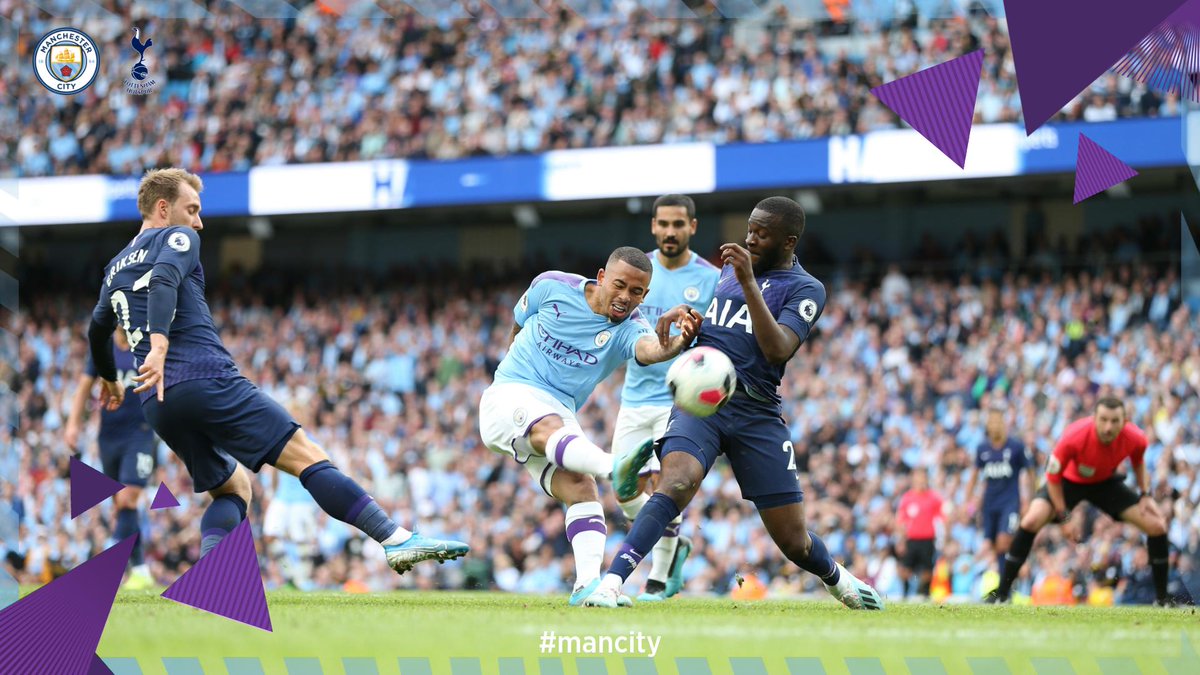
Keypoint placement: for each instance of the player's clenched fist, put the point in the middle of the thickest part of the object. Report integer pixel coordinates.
(739, 259)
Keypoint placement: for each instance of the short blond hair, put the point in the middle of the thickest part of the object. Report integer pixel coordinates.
(164, 184)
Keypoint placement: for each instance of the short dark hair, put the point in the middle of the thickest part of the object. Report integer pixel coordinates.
(1111, 402)
(674, 200)
(634, 256)
(790, 215)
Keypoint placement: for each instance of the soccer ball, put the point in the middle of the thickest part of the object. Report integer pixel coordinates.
(701, 381)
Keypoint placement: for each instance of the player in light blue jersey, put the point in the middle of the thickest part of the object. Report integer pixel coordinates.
(764, 308)
(572, 332)
(680, 277)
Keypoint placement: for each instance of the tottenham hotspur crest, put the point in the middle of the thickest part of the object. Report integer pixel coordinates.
(140, 81)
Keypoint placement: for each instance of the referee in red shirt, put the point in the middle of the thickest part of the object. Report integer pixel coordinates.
(1082, 468)
(917, 516)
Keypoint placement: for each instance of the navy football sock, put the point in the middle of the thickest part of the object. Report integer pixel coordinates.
(128, 525)
(1014, 559)
(819, 562)
(222, 515)
(647, 529)
(339, 496)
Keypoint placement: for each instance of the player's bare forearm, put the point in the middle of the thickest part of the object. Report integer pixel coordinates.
(649, 350)
(512, 336)
(83, 392)
(776, 342)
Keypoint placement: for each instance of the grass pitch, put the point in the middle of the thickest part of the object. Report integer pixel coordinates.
(490, 626)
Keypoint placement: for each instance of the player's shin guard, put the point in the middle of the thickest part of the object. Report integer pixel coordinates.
(569, 449)
(1014, 559)
(1160, 560)
(339, 496)
(819, 562)
(587, 533)
(664, 551)
(222, 515)
(129, 523)
(649, 527)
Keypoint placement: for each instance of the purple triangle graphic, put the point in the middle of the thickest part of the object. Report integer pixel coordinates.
(939, 102)
(99, 667)
(226, 582)
(163, 499)
(1096, 169)
(56, 628)
(1059, 48)
(89, 487)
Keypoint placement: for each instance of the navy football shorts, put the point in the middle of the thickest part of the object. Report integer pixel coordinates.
(211, 423)
(754, 437)
(128, 458)
(1001, 518)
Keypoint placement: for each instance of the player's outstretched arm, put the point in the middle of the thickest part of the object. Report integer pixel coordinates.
(650, 349)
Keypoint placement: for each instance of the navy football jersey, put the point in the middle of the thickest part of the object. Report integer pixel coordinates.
(796, 300)
(127, 419)
(196, 351)
(1001, 469)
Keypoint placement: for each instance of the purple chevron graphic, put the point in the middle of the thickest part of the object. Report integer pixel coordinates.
(56, 628)
(1059, 48)
(1168, 59)
(89, 487)
(163, 499)
(99, 667)
(1096, 169)
(226, 582)
(939, 102)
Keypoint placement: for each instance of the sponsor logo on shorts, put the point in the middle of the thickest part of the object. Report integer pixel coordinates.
(519, 416)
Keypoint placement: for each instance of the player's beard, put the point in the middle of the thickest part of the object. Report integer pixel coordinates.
(680, 247)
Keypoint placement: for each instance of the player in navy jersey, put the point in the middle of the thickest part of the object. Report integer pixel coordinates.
(192, 393)
(680, 277)
(1001, 460)
(126, 445)
(764, 308)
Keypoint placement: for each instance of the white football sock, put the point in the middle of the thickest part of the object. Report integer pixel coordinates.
(632, 507)
(587, 532)
(664, 551)
(398, 537)
(569, 449)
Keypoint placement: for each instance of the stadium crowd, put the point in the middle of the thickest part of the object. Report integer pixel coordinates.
(386, 375)
(235, 91)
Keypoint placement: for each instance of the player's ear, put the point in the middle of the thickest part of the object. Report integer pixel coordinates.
(693, 226)
(600, 276)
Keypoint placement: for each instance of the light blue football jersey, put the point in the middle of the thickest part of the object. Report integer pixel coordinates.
(694, 284)
(564, 348)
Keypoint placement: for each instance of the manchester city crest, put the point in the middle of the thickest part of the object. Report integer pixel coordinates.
(66, 61)
(691, 294)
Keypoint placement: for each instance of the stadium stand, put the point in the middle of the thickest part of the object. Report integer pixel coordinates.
(330, 88)
(390, 369)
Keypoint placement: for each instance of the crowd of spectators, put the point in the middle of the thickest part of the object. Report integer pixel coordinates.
(234, 91)
(386, 375)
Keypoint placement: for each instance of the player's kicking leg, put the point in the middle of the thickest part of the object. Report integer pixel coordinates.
(682, 472)
(635, 427)
(344, 499)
